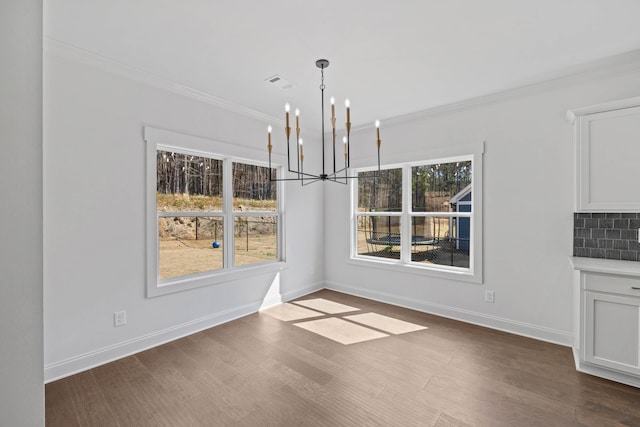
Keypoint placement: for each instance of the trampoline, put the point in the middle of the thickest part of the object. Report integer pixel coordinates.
(393, 239)
(385, 244)
(382, 239)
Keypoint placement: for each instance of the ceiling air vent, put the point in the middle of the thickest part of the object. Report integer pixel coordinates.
(279, 82)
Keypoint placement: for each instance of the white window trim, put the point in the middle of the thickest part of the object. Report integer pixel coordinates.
(159, 139)
(474, 274)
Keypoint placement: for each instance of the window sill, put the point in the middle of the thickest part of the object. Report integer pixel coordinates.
(432, 270)
(185, 283)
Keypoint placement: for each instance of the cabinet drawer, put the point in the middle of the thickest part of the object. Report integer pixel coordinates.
(623, 285)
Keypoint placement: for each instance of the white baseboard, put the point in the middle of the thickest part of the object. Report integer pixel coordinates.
(507, 325)
(609, 374)
(83, 362)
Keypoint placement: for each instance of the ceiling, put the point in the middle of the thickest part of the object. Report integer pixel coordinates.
(390, 58)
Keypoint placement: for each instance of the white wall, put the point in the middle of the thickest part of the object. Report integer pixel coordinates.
(528, 205)
(94, 242)
(21, 376)
(94, 217)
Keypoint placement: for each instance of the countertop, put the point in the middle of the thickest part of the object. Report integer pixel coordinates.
(611, 266)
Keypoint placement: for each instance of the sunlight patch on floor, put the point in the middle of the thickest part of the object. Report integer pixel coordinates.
(288, 312)
(326, 306)
(340, 330)
(385, 323)
(337, 324)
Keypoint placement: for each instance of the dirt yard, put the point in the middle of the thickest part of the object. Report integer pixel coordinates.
(186, 244)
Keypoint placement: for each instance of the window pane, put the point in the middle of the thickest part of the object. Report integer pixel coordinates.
(379, 236)
(441, 240)
(252, 190)
(439, 187)
(382, 194)
(256, 239)
(188, 183)
(189, 245)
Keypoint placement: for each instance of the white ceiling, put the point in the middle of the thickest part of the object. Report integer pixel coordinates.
(390, 58)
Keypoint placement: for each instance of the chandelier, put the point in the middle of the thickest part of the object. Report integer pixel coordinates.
(337, 174)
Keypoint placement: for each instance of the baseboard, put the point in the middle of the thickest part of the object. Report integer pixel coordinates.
(608, 374)
(83, 362)
(507, 325)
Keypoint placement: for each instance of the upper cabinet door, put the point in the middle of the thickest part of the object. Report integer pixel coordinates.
(608, 156)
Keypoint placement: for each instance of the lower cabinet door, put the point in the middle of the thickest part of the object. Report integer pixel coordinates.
(612, 331)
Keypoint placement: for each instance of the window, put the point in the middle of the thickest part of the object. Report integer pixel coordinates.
(211, 217)
(422, 216)
(255, 216)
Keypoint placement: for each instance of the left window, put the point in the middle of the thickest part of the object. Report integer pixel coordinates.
(211, 218)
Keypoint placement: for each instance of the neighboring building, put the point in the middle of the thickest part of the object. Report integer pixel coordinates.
(461, 202)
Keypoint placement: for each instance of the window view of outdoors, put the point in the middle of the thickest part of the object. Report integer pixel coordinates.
(379, 235)
(187, 245)
(188, 190)
(437, 234)
(435, 185)
(440, 188)
(191, 221)
(256, 228)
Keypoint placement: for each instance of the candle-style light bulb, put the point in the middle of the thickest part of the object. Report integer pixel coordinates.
(297, 123)
(348, 123)
(347, 104)
(286, 115)
(301, 149)
(378, 133)
(333, 112)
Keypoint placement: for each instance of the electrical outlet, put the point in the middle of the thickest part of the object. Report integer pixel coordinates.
(119, 318)
(490, 296)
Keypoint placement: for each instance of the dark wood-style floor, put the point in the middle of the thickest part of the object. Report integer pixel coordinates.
(261, 371)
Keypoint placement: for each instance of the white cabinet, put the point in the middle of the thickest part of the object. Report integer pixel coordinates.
(607, 138)
(612, 331)
(607, 334)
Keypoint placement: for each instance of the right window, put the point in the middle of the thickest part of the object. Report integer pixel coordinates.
(420, 215)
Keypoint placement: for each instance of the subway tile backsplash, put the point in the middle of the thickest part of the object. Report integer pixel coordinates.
(606, 235)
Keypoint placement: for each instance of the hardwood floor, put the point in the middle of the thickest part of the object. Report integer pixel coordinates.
(264, 371)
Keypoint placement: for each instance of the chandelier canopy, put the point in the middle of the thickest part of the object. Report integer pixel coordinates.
(339, 174)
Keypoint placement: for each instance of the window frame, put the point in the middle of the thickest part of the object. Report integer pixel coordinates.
(162, 140)
(474, 273)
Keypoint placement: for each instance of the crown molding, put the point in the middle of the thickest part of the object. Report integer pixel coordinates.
(57, 48)
(628, 62)
(625, 63)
